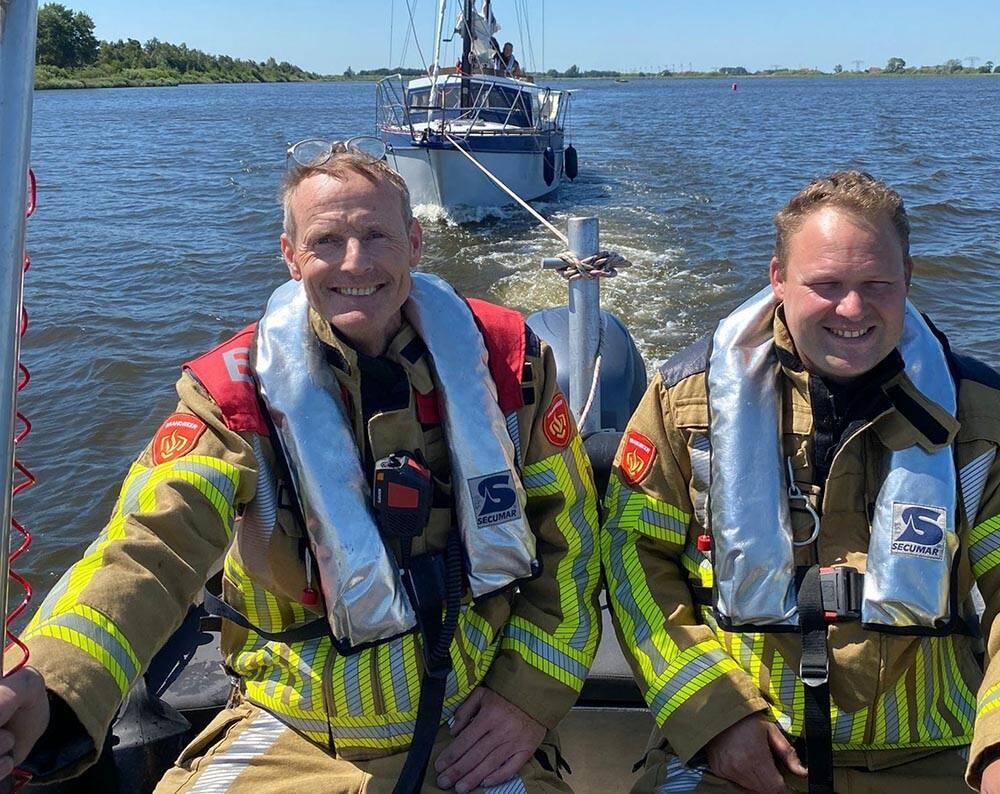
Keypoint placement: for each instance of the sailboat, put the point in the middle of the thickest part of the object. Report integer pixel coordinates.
(447, 132)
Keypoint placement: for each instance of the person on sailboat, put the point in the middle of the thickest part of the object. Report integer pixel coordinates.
(504, 62)
(350, 624)
(799, 509)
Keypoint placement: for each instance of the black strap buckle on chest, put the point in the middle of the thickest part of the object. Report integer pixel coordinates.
(842, 590)
(814, 671)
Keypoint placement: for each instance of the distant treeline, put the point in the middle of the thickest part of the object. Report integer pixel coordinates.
(68, 55)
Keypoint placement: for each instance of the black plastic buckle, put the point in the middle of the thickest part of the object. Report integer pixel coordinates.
(842, 590)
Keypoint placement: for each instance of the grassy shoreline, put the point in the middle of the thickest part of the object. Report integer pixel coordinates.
(158, 78)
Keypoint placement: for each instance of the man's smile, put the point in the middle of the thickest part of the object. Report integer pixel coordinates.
(844, 333)
(356, 291)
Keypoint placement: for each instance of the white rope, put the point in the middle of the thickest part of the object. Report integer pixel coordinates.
(508, 191)
(593, 386)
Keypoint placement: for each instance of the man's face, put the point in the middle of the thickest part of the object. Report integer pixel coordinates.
(508, 50)
(353, 253)
(844, 290)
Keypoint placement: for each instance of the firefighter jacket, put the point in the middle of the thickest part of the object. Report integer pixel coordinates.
(894, 697)
(180, 508)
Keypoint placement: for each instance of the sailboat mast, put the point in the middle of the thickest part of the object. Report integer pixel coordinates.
(467, 30)
(439, 28)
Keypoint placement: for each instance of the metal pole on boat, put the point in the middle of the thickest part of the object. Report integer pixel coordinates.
(584, 325)
(17, 71)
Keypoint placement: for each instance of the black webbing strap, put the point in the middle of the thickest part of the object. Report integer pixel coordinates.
(216, 607)
(432, 581)
(814, 672)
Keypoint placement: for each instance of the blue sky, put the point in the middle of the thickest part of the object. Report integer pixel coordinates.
(330, 36)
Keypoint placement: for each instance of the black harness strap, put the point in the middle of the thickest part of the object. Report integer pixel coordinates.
(432, 582)
(216, 607)
(814, 672)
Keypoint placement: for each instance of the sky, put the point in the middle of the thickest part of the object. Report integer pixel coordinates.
(649, 35)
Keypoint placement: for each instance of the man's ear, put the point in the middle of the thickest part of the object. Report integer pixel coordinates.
(416, 236)
(777, 279)
(288, 254)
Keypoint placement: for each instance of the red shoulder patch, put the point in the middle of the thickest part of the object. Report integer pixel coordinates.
(637, 459)
(176, 437)
(556, 423)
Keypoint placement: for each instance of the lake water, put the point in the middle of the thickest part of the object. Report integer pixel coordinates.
(157, 227)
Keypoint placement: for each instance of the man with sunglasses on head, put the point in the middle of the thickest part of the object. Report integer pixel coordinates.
(409, 593)
(800, 507)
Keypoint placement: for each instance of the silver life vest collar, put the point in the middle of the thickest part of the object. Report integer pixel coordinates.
(913, 540)
(364, 596)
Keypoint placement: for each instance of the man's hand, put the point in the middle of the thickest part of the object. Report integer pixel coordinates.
(751, 753)
(493, 740)
(24, 716)
(990, 783)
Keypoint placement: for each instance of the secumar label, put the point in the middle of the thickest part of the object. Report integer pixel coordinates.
(918, 530)
(638, 454)
(176, 437)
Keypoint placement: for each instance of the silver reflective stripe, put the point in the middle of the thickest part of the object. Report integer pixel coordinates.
(514, 431)
(261, 515)
(972, 481)
(489, 498)
(751, 531)
(223, 769)
(365, 599)
(913, 539)
(700, 451)
(513, 786)
(680, 778)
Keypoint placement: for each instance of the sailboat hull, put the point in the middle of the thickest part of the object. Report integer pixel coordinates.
(444, 176)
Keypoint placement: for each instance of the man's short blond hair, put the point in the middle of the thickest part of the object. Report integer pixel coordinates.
(337, 167)
(855, 191)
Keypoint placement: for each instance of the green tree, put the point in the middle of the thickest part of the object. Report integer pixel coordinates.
(65, 39)
(573, 71)
(987, 67)
(953, 65)
(895, 65)
(838, 68)
(348, 72)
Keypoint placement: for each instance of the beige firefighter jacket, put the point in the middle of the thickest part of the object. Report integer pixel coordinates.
(893, 697)
(98, 628)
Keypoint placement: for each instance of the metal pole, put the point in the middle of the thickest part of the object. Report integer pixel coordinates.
(584, 325)
(17, 71)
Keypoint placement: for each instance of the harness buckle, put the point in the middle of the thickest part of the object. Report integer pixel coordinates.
(814, 670)
(842, 589)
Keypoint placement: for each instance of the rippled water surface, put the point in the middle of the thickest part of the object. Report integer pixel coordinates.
(157, 227)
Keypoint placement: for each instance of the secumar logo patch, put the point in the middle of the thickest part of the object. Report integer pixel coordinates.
(176, 437)
(556, 422)
(918, 530)
(637, 458)
(494, 499)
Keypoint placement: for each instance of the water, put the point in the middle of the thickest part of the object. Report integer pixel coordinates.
(157, 226)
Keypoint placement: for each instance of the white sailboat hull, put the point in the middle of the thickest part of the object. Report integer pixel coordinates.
(446, 177)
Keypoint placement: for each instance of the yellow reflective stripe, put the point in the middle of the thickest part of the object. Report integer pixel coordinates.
(989, 700)
(639, 512)
(691, 670)
(545, 652)
(984, 546)
(638, 613)
(95, 634)
(215, 479)
(698, 566)
(578, 571)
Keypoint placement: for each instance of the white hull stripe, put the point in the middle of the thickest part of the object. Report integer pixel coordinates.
(225, 767)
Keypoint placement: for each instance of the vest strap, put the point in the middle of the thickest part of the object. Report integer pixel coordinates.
(814, 671)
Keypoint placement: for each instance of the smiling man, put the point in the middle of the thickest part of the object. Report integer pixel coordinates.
(411, 587)
(801, 506)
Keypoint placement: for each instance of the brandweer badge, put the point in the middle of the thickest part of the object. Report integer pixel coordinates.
(556, 423)
(637, 458)
(494, 499)
(176, 437)
(918, 530)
